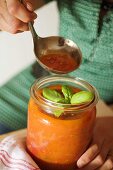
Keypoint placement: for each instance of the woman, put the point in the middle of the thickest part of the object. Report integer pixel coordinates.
(89, 23)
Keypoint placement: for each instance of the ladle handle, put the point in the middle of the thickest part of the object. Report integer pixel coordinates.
(33, 32)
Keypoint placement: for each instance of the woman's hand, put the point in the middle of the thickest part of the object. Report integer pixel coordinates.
(14, 15)
(99, 155)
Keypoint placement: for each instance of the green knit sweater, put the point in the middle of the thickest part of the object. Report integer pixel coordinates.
(78, 22)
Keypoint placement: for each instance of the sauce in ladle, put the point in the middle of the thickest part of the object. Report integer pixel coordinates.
(60, 62)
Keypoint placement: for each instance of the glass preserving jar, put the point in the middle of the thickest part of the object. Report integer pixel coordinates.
(56, 143)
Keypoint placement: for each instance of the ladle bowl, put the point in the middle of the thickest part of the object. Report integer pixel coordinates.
(59, 47)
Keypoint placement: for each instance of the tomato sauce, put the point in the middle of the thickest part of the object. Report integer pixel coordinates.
(60, 62)
(54, 143)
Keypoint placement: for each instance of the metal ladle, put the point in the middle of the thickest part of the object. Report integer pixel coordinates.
(55, 45)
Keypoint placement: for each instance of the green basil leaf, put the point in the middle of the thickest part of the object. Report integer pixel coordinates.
(67, 92)
(51, 95)
(82, 97)
(57, 113)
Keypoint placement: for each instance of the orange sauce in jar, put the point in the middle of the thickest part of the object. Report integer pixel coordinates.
(56, 143)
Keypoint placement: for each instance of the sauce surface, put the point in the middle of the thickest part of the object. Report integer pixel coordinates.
(60, 62)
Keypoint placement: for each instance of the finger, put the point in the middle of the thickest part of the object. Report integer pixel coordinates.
(3, 24)
(14, 27)
(108, 165)
(23, 27)
(89, 155)
(18, 10)
(99, 160)
(12, 24)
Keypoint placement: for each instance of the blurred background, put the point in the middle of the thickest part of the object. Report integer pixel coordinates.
(16, 51)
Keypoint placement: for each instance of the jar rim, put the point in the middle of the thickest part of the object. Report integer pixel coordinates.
(69, 107)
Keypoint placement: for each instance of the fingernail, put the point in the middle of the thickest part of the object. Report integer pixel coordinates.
(80, 164)
(29, 6)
